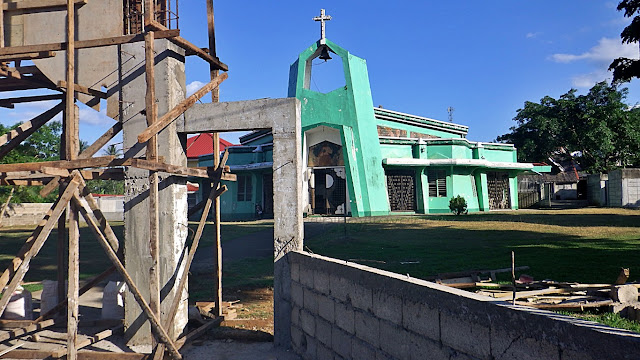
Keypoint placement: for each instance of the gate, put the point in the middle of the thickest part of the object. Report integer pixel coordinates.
(499, 196)
(402, 190)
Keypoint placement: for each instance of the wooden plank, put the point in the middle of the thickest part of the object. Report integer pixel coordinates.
(83, 89)
(84, 44)
(90, 340)
(6, 205)
(39, 240)
(157, 328)
(567, 306)
(172, 169)
(173, 114)
(472, 272)
(14, 137)
(199, 331)
(99, 216)
(25, 99)
(95, 162)
(37, 4)
(190, 48)
(14, 333)
(82, 355)
(28, 56)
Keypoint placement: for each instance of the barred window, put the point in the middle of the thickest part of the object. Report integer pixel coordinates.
(437, 183)
(244, 187)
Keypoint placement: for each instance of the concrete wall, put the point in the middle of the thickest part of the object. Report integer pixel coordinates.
(624, 188)
(343, 310)
(30, 214)
(597, 189)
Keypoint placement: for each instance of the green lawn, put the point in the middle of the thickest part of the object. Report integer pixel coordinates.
(584, 245)
(92, 258)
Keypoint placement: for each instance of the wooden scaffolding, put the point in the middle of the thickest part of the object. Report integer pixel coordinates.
(143, 21)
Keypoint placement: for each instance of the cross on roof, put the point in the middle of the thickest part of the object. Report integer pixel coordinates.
(322, 18)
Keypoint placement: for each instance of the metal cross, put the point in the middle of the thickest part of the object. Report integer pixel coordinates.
(322, 18)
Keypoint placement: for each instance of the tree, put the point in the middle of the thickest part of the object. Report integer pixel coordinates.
(624, 69)
(112, 149)
(597, 130)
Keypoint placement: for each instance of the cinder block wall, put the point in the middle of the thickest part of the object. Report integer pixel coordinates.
(344, 310)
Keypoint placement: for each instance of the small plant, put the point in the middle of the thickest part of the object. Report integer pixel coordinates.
(458, 205)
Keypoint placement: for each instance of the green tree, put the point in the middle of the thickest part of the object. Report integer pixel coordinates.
(42, 145)
(624, 69)
(597, 130)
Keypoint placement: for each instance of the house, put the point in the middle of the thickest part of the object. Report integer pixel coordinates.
(202, 144)
(366, 161)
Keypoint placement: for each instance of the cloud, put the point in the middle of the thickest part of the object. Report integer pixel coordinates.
(532, 35)
(92, 117)
(600, 57)
(194, 86)
(606, 51)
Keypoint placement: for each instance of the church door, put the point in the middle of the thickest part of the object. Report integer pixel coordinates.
(328, 191)
(499, 196)
(401, 189)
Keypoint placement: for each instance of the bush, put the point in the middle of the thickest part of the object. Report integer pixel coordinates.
(458, 205)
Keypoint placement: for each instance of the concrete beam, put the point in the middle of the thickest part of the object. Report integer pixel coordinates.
(282, 116)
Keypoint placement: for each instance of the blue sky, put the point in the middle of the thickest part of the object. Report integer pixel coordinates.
(483, 58)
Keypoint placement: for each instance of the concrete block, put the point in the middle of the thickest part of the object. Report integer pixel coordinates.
(308, 322)
(321, 282)
(624, 293)
(326, 308)
(341, 288)
(381, 355)
(367, 328)
(324, 353)
(323, 331)
(387, 306)
(362, 350)
(306, 276)
(297, 297)
(295, 272)
(393, 340)
(514, 345)
(362, 297)
(298, 340)
(310, 301)
(420, 346)
(295, 315)
(345, 317)
(341, 342)
(421, 319)
(312, 349)
(469, 337)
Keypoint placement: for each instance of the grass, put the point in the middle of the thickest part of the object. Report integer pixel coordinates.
(93, 261)
(584, 245)
(609, 319)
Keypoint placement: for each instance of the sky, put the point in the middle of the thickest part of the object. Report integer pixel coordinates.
(483, 58)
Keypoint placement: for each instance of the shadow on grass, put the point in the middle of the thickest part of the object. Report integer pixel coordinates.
(426, 251)
(553, 217)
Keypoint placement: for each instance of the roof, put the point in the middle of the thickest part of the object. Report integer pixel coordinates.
(202, 144)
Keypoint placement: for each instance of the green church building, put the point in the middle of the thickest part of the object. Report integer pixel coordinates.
(366, 161)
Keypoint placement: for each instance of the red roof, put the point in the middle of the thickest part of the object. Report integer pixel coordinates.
(202, 144)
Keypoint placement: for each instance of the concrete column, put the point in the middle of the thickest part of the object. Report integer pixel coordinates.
(170, 90)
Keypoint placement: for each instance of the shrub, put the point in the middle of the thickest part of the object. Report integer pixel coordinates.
(458, 205)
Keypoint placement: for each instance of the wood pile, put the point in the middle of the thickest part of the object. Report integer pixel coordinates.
(619, 297)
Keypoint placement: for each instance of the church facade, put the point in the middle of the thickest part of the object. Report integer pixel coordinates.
(366, 161)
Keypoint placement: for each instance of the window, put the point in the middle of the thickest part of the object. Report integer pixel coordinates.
(244, 188)
(437, 183)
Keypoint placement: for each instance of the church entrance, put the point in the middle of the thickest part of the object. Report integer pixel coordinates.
(328, 191)
(499, 196)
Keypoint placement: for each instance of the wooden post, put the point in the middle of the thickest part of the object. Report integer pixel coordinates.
(71, 152)
(215, 97)
(513, 275)
(152, 154)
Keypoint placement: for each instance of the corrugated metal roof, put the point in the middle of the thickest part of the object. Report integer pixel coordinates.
(202, 144)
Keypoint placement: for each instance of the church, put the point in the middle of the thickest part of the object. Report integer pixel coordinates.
(365, 161)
